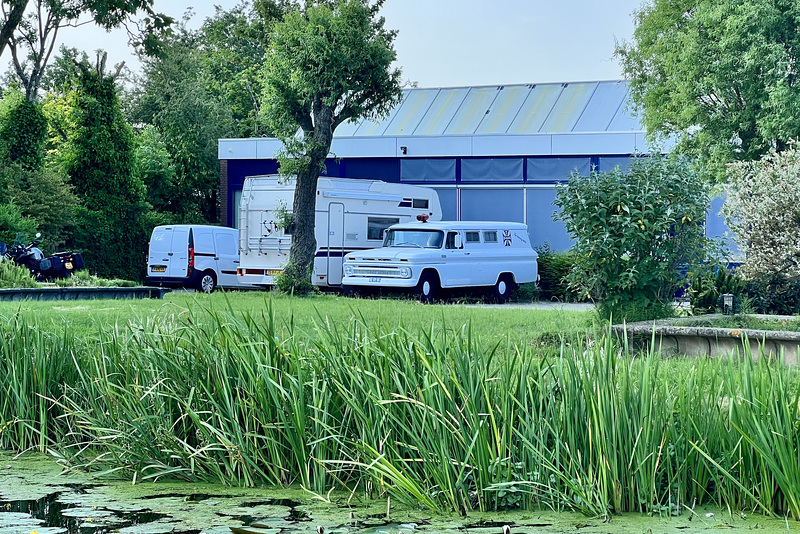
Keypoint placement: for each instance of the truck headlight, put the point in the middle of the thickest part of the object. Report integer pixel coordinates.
(348, 270)
(405, 272)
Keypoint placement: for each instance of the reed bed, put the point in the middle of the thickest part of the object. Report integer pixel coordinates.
(433, 417)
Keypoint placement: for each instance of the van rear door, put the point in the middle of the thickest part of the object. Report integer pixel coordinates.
(169, 252)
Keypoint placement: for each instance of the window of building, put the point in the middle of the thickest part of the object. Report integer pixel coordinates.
(490, 236)
(376, 226)
(473, 237)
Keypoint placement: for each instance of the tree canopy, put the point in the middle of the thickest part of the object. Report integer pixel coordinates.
(720, 75)
(329, 61)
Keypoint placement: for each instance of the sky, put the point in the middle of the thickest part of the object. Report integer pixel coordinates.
(452, 43)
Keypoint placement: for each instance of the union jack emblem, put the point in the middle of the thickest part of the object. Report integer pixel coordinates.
(507, 238)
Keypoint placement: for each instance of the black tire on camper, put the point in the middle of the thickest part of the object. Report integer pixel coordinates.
(427, 289)
(501, 291)
(351, 291)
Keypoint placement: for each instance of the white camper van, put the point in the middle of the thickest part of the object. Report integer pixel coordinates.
(425, 258)
(193, 255)
(351, 214)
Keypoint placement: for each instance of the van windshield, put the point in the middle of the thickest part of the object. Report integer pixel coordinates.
(414, 238)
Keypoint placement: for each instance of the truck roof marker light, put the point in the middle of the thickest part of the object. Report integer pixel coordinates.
(423, 217)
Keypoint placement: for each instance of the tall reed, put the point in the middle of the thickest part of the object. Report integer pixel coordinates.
(435, 417)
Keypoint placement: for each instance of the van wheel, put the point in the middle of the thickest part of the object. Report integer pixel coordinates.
(207, 282)
(502, 289)
(428, 287)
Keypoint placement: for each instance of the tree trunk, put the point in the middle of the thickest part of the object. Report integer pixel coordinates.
(304, 242)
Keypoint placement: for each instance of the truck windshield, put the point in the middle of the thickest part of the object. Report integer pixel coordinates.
(414, 238)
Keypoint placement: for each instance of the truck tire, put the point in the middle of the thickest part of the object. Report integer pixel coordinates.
(427, 288)
(502, 289)
(207, 282)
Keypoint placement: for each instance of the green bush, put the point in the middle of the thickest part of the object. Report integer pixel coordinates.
(553, 270)
(774, 294)
(15, 276)
(85, 279)
(12, 222)
(709, 285)
(634, 233)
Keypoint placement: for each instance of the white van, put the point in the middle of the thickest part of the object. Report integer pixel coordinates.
(190, 255)
(351, 214)
(426, 257)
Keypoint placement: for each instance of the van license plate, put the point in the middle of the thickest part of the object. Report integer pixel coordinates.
(375, 280)
(68, 265)
(159, 268)
(273, 272)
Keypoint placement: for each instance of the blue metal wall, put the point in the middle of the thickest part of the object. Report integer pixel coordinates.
(518, 189)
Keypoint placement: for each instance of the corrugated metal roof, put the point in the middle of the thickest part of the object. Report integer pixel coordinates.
(548, 108)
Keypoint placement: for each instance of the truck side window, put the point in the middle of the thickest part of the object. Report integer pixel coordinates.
(451, 240)
(473, 237)
(490, 236)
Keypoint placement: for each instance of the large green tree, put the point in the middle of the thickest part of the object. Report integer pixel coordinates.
(329, 61)
(721, 76)
(31, 28)
(190, 119)
(99, 158)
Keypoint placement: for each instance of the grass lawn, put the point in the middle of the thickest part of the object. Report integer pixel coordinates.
(514, 325)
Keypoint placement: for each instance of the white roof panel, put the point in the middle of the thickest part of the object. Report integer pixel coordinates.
(441, 112)
(474, 108)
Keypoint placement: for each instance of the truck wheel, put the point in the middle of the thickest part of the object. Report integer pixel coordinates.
(427, 288)
(207, 282)
(502, 289)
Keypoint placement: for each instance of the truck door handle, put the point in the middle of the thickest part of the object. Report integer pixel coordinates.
(235, 261)
(169, 253)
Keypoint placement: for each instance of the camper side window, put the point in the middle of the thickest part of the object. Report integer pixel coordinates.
(376, 226)
(490, 237)
(473, 237)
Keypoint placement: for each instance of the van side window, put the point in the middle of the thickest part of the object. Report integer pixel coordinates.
(490, 236)
(226, 244)
(377, 225)
(473, 237)
(451, 240)
(203, 242)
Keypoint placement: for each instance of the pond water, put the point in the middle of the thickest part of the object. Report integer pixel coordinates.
(36, 497)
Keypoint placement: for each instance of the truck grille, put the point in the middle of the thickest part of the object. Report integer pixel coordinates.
(386, 272)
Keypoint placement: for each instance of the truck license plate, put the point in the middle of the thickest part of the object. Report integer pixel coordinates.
(159, 268)
(273, 272)
(68, 265)
(375, 280)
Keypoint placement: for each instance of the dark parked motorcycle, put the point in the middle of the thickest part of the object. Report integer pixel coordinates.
(58, 265)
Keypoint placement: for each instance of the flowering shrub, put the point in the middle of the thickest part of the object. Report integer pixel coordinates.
(634, 234)
(763, 210)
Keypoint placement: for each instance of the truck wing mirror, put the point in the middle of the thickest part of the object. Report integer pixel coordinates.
(458, 243)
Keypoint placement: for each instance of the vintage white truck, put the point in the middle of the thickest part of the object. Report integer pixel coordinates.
(427, 257)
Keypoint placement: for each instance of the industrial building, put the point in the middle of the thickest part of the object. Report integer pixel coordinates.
(491, 152)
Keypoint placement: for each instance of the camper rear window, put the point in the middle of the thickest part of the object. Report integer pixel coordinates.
(377, 225)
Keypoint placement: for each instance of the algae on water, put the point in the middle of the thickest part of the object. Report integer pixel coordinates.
(86, 505)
